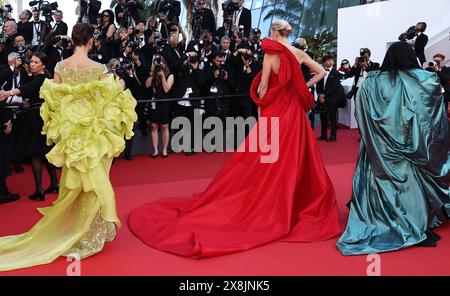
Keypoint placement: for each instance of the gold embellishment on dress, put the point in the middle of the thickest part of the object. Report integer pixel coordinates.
(93, 241)
(74, 76)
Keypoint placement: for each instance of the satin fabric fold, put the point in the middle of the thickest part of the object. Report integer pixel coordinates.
(400, 186)
(250, 203)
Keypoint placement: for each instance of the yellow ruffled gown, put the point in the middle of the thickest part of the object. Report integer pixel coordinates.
(87, 118)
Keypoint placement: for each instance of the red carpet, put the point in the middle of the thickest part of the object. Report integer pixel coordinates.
(145, 179)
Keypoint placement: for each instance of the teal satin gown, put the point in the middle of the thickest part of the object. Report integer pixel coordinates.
(400, 186)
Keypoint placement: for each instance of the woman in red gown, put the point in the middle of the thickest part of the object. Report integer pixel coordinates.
(251, 203)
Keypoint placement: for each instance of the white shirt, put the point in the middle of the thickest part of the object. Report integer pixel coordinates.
(36, 31)
(326, 77)
(237, 17)
(15, 84)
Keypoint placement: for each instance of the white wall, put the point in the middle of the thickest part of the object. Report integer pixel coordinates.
(374, 25)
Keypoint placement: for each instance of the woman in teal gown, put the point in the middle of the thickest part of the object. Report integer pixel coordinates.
(400, 186)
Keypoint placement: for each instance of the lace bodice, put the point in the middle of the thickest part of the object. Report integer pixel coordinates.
(75, 76)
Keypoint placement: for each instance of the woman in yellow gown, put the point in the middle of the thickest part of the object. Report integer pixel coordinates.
(86, 116)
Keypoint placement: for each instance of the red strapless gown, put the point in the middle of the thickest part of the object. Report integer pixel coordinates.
(250, 203)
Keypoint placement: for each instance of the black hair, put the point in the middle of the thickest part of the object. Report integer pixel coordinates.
(400, 56)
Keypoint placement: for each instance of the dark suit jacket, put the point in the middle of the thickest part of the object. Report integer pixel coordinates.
(208, 21)
(194, 80)
(246, 21)
(93, 10)
(333, 90)
(61, 29)
(26, 30)
(419, 47)
(356, 71)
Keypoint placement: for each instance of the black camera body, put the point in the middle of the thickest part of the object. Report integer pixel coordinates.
(6, 9)
(409, 34)
(193, 60)
(22, 51)
(159, 68)
(229, 7)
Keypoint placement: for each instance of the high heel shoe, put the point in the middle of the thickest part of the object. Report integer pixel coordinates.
(40, 196)
(52, 189)
(154, 155)
(165, 155)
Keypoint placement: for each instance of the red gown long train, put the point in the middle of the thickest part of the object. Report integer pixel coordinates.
(250, 203)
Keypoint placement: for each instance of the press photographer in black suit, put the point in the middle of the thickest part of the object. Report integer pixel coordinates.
(24, 26)
(127, 13)
(331, 93)
(188, 84)
(363, 65)
(12, 78)
(415, 36)
(88, 11)
(243, 17)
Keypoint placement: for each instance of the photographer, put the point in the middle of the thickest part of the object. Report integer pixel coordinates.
(363, 65)
(161, 82)
(108, 30)
(151, 27)
(98, 52)
(24, 26)
(127, 14)
(59, 27)
(7, 44)
(225, 45)
(415, 36)
(31, 142)
(437, 66)
(255, 42)
(188, 84)
(173, 54)
(245, 69)
(242, 18)
(88, 11)
(331, 93)
(202, 19)
(38, 25)
(12, 78)
(219, 83)
(139, 35)
(134, 75)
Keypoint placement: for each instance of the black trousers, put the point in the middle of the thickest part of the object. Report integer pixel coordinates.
(329, 117)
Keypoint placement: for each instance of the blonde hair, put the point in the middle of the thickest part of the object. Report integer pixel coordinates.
(282, 27)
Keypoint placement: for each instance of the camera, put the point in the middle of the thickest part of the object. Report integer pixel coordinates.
(409, 34)
(230, 6)
(161, 42)
(433, 64)
(247, 56)
(5, 10)
(132, 44)
(22, 51)
(193, 60)
(159, 68)
(125, 65)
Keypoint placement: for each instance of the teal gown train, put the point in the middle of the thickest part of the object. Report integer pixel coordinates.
(400, 186)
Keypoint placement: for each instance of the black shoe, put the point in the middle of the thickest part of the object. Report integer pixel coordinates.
(18, 169)
(427, 243)
(322, 138)
(37, 196)
(433, 235)
(331, 139)
(165, 155)
(190, 153)
(154, 155)
(52, 189)
(128, 157)
(9, 197)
